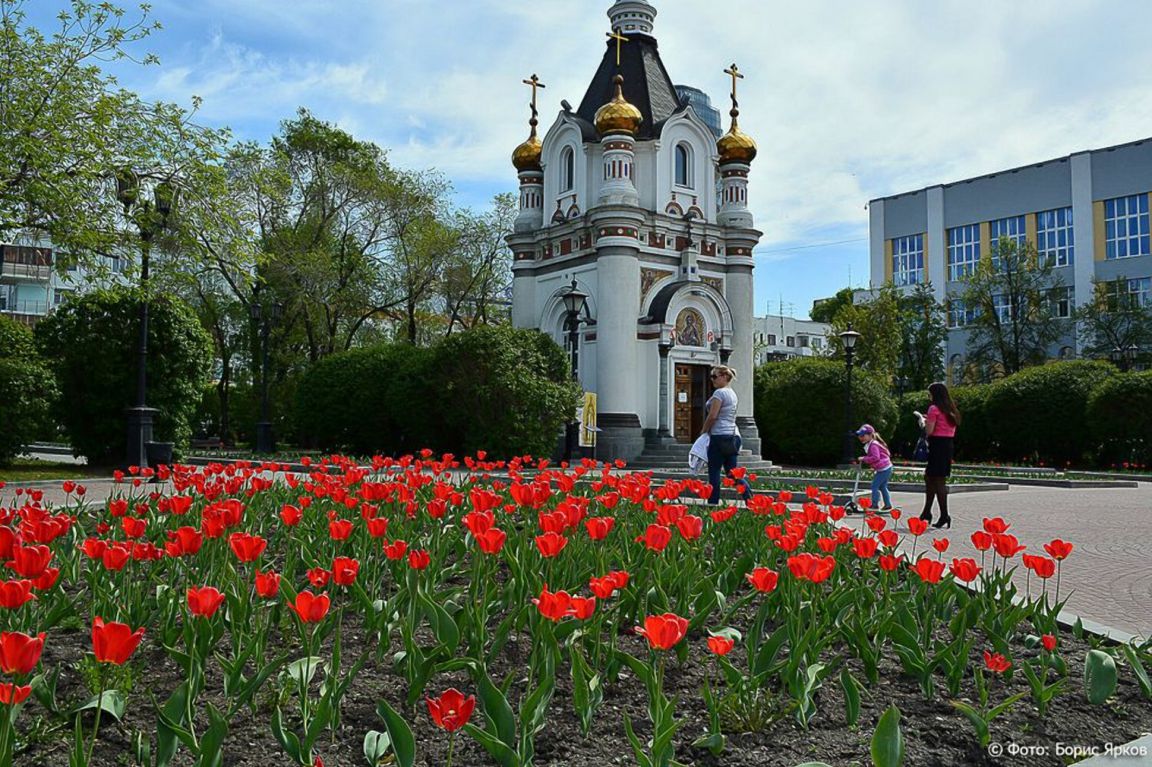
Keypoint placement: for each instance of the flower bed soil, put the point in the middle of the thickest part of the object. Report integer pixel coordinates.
(935, 734)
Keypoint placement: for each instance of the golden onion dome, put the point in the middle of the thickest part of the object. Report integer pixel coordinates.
(618, 116)
(736, 146)
(527, 155)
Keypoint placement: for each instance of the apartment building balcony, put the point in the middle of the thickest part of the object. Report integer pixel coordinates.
(22, 263)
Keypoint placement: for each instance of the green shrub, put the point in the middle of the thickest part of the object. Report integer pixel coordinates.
(26, 391)
(1120, 419)
(973, 437)
(800, 409)
(497, 389)
(366, 401)
(500, 389)
(16, 339)
(1041, 413)
(91, 343)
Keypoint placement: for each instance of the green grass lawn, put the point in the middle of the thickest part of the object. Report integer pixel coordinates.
(30, 470)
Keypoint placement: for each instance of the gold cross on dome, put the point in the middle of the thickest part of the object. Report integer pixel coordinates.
(534, 81)
(619, 38)
(735, 74)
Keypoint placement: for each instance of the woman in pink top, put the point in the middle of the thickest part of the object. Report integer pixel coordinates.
(939, 424)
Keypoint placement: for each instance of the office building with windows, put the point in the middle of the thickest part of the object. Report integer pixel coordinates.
(778, 337)
(1087, 213)
(35, 278)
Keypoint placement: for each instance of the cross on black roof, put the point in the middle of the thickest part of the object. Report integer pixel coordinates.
(647, 85)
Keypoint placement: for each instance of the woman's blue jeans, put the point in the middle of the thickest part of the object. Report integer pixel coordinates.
(716, 462)
(880, 487)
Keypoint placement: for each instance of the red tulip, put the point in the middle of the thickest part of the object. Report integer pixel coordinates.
(204, 601)
(291, 515)
(981, 540)
(377, 527)
(720, 645)
(995, 526)
(875, 524)
(93, 548)
(663, 631)
(583, 607)
(14, 594)
(940, 544)
(996, 662)
(396, 549)
(30, 561)
(1049, 642)
(318, 577)
(491, 541)
(19, 653)
(451, 710)
(133, 527)
(478, 522)
(1006, 545)
(763, 579)
(47, 579)
(690, 527)
(965, 569)
(889, 563)
(11, 694)
(599, 527)
(339, 529)
(888, 538)
(656, 537)
(550, 544)
(247, 548)
(555, 606)
(865, 547)
(267, 585)
(419, 559)
(1058, 549)
(619, 577)
(929, 570)
(184, 541)
(1042, 566)
(917, 526)
(310, 608)
(344, 570)
(809, 567)
(114, 642)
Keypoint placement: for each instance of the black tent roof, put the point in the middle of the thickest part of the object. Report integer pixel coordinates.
(647, 85)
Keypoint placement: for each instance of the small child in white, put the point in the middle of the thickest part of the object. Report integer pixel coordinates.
(877, 457)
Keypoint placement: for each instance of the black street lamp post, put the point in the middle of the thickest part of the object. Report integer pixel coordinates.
(265, 439)
(1124, 357)
(848, 338)
(150, 217)
(575, 303)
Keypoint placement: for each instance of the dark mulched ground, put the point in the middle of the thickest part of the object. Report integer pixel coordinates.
(935, 734)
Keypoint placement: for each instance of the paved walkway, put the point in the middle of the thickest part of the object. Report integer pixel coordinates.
(1107, 579)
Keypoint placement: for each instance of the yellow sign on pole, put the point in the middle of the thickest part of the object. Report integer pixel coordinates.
(588, 428)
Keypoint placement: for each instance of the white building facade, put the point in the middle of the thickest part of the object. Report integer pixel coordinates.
(633, 197)
(778, 337)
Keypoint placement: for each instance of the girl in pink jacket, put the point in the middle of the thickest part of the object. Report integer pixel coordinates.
(877, 457)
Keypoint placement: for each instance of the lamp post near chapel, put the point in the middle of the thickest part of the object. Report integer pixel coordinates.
(575, 303)
(849, 338)
(150, 218)
(264, 318)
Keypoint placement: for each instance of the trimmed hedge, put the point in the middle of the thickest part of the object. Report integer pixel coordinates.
(974, 438)
(366, 401)
(26, 390)
(91, 342)
(800, 409)
(1120, 418)
(1040, 415)
(498, 389)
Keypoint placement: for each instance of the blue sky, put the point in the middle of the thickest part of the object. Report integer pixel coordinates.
(848, 101)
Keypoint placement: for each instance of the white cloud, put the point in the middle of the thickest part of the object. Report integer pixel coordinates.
(848, 101)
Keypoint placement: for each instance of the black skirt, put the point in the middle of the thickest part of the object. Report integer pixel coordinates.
(939, 457)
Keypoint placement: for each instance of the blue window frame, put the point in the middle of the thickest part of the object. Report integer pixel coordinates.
(1126, 227)
(963, 251)
(1012, 228)
(1054, 241)
(959, 313)
(908, 260)
(1003, 306)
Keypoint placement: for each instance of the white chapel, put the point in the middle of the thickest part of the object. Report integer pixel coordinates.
(641, 202)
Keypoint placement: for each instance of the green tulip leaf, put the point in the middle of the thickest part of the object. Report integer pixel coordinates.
(113, 703)
(888, 740)
(376, 746)
(1099, 676)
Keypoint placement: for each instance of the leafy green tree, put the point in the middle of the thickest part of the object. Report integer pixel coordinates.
(923, 333)
(1114, 318)
(878, 321)
(91, 342)
(825, 310)
(68, 128)
(477, 279)
(1011, 294)
(26, 390)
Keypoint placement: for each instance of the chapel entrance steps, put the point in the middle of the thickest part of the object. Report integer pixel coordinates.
(665, 454)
